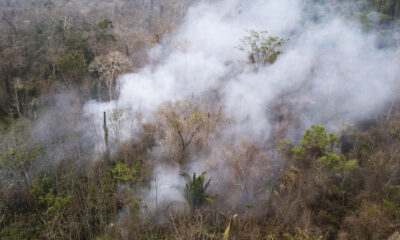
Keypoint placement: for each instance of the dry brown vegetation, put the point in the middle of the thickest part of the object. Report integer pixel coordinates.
(55, 55)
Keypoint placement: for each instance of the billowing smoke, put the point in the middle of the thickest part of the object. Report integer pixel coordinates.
(330, 72)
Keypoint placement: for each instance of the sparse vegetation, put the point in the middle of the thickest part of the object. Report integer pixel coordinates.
(298, 183)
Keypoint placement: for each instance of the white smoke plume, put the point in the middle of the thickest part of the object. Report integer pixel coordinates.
(338, 71)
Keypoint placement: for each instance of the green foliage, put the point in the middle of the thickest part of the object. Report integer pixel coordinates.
(105, 24)
(260, 48)
(19, 154)
(107, 236)
(298, 152)
(301, 235)
(338, 162)
(42, 185)
(23, 227)
(74, 43)
(248, 206)
(72, 65)
(57, 204)
(104, 34)
(195, 189)
(314, 143)
(317, 138)
(76, 197)
(320, 145)
(366, 23)
(124, 173)
(75, 202)
(185, 114)
(391, 200)
(271, 236)
(196, 116)
(283, 145)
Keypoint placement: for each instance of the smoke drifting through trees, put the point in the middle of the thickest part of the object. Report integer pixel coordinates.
(217, 95)
(330, 72)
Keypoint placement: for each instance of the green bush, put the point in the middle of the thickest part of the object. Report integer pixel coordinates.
(123, 172)
(195, 189)
(317, 144)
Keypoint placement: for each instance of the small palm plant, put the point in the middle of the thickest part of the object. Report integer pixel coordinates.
(195, 189)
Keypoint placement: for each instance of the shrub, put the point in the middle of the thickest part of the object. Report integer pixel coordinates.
(317, 144)
(195, 189)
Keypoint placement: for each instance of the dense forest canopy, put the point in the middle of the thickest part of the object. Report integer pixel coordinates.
(197, 119)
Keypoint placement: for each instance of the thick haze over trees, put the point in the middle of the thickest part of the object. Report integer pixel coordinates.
(184, 119)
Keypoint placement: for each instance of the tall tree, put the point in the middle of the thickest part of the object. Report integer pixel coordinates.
(108, 66)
